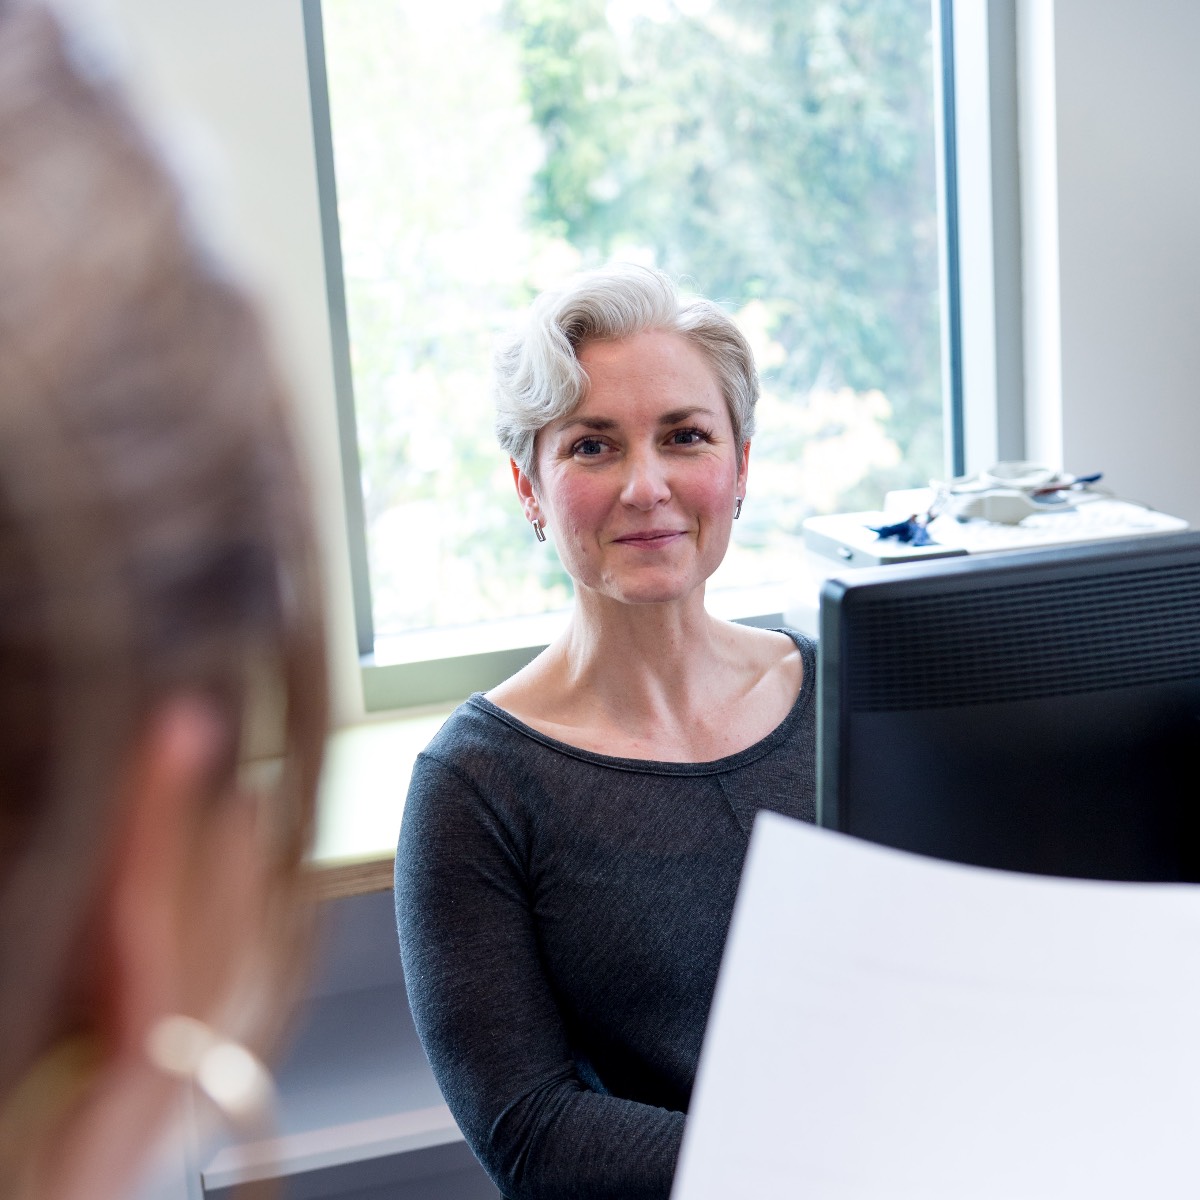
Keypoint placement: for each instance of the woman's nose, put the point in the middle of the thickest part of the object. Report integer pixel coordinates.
(645, 481)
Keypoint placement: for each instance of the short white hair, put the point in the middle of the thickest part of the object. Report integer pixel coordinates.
(537, 377)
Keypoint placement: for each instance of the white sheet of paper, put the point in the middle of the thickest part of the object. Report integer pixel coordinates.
(887, 1025)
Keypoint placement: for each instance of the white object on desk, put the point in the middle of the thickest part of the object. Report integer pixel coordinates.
(848, 538)
(891, 1026)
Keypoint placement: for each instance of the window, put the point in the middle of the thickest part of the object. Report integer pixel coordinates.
(778, 155)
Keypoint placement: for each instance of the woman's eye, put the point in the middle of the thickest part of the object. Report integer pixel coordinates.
(588, 447)
(688, 437)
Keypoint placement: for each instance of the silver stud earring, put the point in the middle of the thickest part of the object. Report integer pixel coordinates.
(737, 508)
(537, 530)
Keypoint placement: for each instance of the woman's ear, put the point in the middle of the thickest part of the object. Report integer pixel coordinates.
(524, 484)
(743, 468)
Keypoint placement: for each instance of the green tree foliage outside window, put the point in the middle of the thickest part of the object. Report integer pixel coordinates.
(776, 155)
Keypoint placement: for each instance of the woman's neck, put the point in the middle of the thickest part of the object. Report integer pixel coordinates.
(666, 682)
(645, 665)
(654, 634)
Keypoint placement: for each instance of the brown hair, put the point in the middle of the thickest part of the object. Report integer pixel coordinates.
(155, 534)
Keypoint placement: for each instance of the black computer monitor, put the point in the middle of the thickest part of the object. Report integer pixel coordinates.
(1033, 711)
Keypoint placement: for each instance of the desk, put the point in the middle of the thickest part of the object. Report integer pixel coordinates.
(361, 800)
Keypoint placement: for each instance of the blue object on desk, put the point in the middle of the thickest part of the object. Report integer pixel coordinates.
(913, 532)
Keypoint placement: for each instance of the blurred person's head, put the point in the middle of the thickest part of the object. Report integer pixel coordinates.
(538, 378)
(160, 626)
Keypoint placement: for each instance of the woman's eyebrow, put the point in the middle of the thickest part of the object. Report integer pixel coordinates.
(682, 414)
(599, 424)
(605, 424)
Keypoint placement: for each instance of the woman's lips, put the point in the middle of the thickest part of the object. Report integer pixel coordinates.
(650, 538)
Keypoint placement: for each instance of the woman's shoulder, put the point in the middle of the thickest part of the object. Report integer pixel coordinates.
(487, 750)
(805, 647)
(542, 700)
(778, 653)
(476, 727)
(474, 764)
(783, 638)
(797, 637)
(521, 692)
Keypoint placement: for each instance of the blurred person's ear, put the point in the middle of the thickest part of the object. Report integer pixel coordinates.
(178, 919)
(186, 873)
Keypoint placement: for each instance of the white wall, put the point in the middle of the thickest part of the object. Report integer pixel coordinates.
(1123, 252)
(226, 83)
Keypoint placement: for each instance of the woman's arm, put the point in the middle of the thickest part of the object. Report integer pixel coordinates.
(489, 1022)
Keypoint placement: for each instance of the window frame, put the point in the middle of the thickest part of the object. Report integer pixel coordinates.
(979, 219)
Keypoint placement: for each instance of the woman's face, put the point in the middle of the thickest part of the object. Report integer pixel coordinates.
(638, 484)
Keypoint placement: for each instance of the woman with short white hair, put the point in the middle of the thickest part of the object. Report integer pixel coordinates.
(572, 841)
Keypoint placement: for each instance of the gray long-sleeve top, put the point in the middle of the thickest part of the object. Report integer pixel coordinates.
(562, 916)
